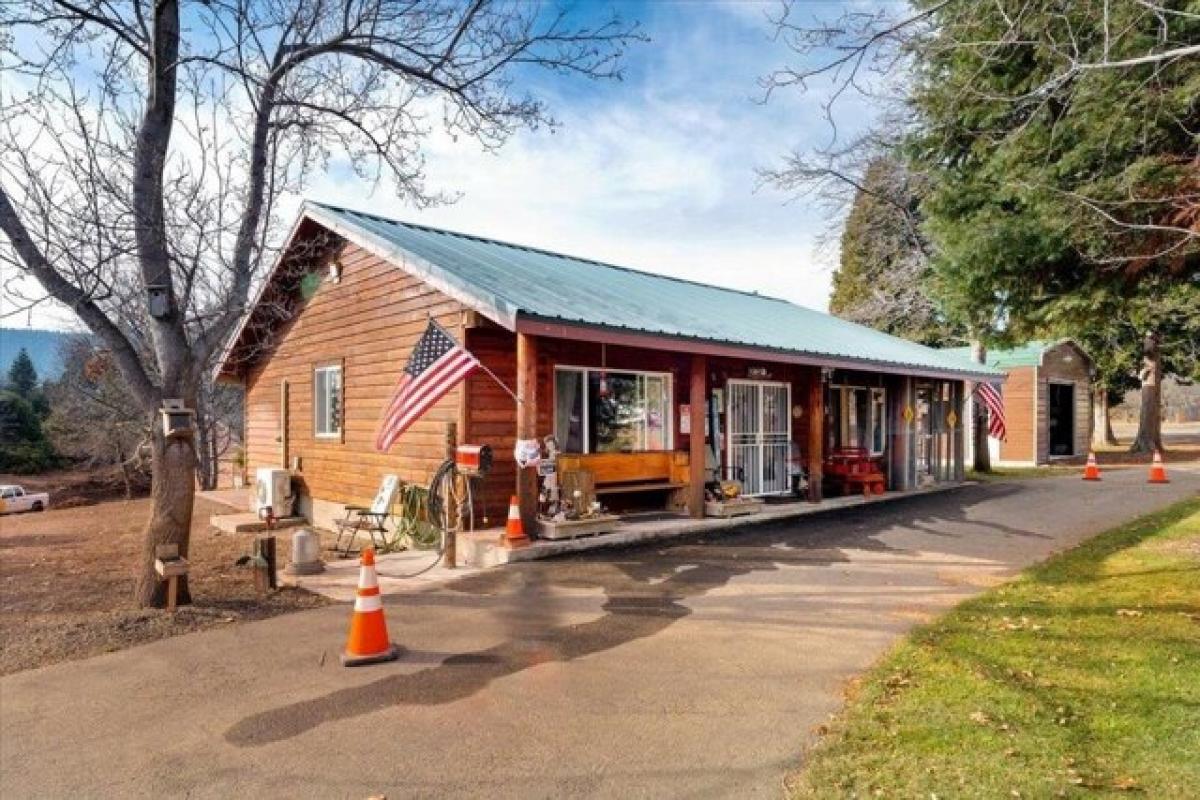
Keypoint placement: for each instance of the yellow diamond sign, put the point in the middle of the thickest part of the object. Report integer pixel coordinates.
(908, 414)
(952, 419)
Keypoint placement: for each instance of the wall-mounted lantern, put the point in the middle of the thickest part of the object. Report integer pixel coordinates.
(178, 422)
(158, 296)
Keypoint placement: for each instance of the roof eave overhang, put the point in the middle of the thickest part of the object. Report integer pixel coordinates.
(494, 308)
(221, 372)
(557, 328)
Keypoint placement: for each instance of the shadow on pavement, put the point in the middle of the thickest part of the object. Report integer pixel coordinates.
(645, 589)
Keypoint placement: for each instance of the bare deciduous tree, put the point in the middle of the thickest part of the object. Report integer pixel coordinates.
(144, 147)
(93, 417)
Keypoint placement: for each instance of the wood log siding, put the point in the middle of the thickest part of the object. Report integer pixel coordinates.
(1019, 415)
(370, 320)
(490, 416)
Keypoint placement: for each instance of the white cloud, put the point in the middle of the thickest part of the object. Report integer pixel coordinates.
(656, 173)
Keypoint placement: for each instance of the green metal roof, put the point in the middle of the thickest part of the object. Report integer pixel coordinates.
(1026, 355)
(506, 282)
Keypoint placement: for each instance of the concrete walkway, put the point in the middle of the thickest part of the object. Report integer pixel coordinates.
(691, 669)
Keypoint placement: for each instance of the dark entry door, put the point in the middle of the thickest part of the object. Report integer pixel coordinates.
(1062, 419)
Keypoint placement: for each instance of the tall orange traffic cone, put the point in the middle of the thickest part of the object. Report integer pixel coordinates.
(514, 529)
(1158, 473)
(368, 641)
(1092, 471)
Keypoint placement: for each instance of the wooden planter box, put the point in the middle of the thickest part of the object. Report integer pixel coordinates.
(569, 529)
(733, 508)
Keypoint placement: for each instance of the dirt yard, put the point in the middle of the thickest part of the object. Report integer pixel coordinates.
(66, 583)
(69, 488)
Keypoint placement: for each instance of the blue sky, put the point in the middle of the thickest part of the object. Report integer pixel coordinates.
(655, 172)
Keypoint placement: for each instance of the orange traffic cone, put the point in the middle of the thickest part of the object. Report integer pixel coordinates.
(514, 529)
(368, 641)
(1092, 471)
(1158, 474)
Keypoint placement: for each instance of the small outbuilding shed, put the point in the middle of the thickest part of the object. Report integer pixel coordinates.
(1047, 402)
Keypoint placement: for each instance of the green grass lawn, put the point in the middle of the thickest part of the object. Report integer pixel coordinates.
(1006, 473)
(1079, 679)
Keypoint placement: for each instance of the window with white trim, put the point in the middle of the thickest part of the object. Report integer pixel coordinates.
(611, 411)
(327, 401)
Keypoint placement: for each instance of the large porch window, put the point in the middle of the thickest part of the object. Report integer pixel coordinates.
(608, 411)
(859, 417)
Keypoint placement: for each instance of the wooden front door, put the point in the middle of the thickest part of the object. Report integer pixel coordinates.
(759, 436)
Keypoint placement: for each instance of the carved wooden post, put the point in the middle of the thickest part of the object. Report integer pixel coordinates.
(527, 426)
(698, 416)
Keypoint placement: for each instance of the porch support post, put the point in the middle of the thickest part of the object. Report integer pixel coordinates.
(696, 403)
(527, 426)
(816, 435)
(959, 431)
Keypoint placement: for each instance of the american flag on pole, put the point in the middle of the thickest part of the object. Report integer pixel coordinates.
(989, 395)
(435, 366)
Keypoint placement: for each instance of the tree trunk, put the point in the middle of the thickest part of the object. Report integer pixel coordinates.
(172, 493)
(206, 449)
(123, 463)
(1102, 432)
(1149, 434)
(979, 428)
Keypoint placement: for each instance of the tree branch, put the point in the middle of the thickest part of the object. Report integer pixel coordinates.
(68, 294)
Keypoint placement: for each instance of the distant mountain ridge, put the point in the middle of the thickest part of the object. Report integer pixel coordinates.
(42, 345)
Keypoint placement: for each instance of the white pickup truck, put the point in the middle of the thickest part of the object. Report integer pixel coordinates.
(14, 499)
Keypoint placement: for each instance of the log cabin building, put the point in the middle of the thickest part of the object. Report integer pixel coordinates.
(654, 384)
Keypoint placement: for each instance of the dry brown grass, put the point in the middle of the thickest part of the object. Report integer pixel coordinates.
(66, 584)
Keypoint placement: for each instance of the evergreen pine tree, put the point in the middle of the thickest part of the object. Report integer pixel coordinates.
(22, 375)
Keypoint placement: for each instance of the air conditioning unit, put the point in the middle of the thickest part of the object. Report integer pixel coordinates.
(273, 487)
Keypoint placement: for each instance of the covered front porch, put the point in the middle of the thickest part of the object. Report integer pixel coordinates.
(667, 425)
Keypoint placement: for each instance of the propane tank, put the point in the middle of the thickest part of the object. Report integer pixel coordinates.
(306, 553)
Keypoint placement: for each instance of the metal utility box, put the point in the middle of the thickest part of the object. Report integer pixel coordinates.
(273, 488)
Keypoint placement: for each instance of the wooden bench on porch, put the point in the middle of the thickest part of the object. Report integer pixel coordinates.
(854, 469)
(621, 473)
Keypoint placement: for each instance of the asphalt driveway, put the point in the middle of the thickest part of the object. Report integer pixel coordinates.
(697, 669)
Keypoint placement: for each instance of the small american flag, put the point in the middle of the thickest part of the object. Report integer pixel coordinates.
(989, 394)
(435, 366)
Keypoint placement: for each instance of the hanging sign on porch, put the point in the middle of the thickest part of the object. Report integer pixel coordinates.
(908, 414)
(952, 419)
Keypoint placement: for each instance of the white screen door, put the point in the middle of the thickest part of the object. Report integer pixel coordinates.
(759, 422)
